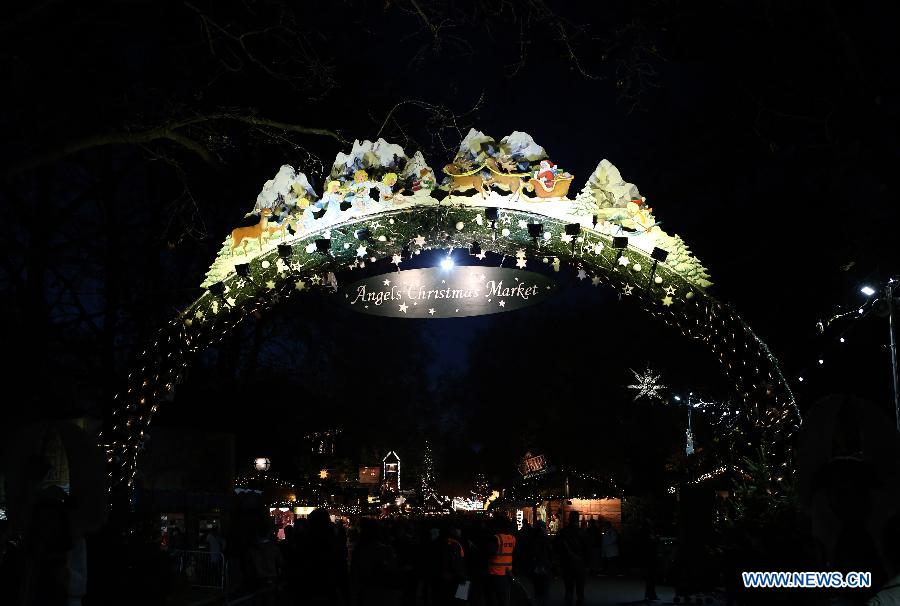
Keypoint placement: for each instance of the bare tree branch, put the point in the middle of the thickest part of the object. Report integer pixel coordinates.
(168, 132)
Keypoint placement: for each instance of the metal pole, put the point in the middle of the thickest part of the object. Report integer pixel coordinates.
(889, 295)
(689, 414)
(689, 445)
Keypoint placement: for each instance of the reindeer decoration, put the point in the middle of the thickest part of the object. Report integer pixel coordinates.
(281, 228)
(242, 234)
(281, 221)
(463, 181)
(511, 182)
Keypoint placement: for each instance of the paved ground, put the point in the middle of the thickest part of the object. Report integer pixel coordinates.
(599, 591)
(611, 590)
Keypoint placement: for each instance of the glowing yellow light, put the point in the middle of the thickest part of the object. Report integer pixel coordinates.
(323, 474)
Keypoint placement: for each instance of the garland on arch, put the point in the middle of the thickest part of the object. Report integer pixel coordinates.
(398, 235)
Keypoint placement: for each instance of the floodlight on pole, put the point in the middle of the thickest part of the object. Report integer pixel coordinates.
(619, 244)
(658, 254)
(572, 231)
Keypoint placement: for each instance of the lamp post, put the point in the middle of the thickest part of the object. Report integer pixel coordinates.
(689, 434)
(885, 307)
(889, 296)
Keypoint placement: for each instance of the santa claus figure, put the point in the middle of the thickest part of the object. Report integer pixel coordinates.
(546, 174)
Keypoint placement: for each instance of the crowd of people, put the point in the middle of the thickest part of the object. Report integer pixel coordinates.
(427, 562)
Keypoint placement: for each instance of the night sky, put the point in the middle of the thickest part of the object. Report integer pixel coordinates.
(765, 134)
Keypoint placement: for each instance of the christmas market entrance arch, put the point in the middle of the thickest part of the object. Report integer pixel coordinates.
(525, 234)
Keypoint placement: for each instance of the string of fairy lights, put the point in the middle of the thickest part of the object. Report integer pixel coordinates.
(528, 490)
(711, 475)
(261, 480)
(838, 328)
(312, 262)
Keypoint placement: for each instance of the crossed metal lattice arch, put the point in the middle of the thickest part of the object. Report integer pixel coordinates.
(280, 273)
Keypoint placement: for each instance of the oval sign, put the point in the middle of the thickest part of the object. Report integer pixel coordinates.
(457, 292)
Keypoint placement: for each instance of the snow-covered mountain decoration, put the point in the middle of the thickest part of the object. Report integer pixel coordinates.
(607, 189)
(516, 152)
(475, 146)
(289, 188)
(373, 157)
(520, 145)
(417, 174)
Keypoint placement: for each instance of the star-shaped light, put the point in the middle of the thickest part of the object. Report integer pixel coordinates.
(323, 474)
(502, 303)
(647, 384)
(582, 274)
(667, 300)
(481, 255)
(419, 240)
(624, 261)
(316, 279)
(387, 282)
(521, 262)
(404, 307)
(431, 311)
(598, 248)
(670, 290)
(523, 224)
(199, 314)
(361, 251)
(565, 237)
(231, 301)
(270, 284)
(396, 259)
(595, 280)
(626, 290)
(299, 285)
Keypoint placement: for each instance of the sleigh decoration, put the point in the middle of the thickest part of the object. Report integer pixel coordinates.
(560, 187)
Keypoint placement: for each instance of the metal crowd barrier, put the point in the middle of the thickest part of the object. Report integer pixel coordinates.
(203, 569)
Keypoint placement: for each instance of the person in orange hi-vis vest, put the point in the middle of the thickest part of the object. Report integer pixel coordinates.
(499, 577)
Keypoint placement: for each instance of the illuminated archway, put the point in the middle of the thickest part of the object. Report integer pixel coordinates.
(673, 290)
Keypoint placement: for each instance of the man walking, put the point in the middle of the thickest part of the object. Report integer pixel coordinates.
(574, 556)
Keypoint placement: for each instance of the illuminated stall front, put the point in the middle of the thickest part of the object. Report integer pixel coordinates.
(545, 492)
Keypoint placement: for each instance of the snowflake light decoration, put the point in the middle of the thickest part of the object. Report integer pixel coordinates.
(647, 384)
